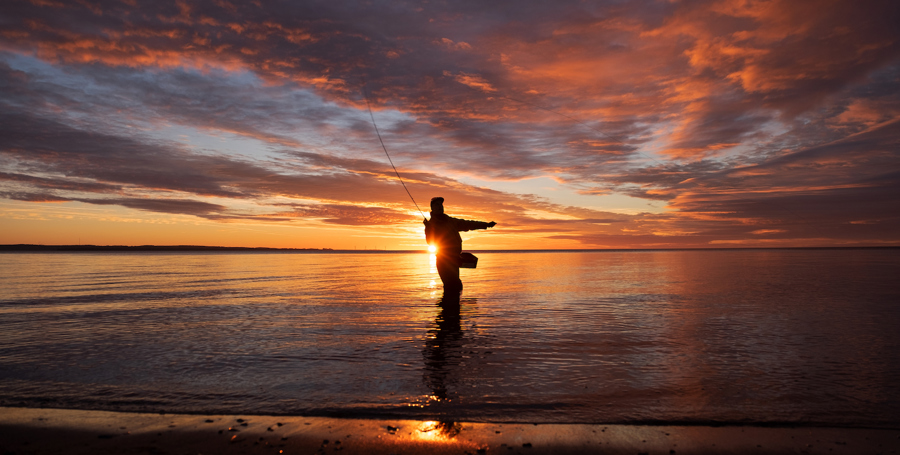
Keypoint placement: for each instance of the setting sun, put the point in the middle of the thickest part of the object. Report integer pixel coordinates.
(432, 249)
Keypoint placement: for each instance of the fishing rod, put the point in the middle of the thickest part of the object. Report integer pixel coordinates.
(372, 116)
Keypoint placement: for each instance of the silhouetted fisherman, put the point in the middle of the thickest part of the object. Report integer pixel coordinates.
(442, 231)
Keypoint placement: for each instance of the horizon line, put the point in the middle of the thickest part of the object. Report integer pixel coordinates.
(29, 247)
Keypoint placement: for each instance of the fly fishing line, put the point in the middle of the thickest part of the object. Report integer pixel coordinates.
(372, 116)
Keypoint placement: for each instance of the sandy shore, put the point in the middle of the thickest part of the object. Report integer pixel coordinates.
(49, 431)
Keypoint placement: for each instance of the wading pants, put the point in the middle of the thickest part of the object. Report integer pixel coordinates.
(448, 269)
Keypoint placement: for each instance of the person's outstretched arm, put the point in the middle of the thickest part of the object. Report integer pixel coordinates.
(468, 225)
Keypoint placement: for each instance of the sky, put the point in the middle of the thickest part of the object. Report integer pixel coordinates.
(572, 124)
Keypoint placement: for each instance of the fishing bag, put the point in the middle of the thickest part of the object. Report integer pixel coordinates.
(467, 260)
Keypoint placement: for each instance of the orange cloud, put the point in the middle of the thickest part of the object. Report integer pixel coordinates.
(472, 80)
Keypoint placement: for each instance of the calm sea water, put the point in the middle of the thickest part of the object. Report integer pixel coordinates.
(729, 336)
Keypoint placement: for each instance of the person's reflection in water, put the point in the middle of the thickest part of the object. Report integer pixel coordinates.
(443, 354)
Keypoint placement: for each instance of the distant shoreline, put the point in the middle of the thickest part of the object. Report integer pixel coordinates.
(33, 248)
(104, 248)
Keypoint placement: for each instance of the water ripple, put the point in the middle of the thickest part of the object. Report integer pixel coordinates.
(784, 336)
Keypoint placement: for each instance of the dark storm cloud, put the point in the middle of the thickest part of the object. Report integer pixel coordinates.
(727, 110)
(351, 215)
(177, 206)
(52, 155)
(174, 206)
(180, 97)
(330, 48)
(847, 190)
(32, 197)
(59, 183)
(44, 146)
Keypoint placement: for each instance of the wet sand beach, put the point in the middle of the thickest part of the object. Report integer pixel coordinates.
(61, 431)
